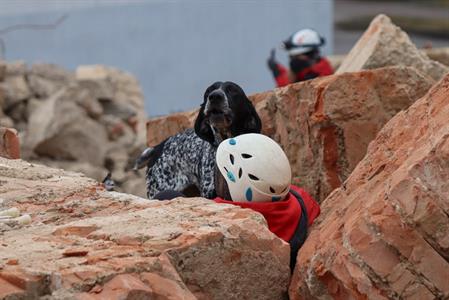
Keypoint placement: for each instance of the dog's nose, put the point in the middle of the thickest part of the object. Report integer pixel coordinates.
(216, 96)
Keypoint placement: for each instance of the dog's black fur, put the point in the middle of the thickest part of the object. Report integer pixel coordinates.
(188, 158)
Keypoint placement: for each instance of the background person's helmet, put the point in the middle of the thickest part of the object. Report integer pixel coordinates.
(303, 41)
(255, 168)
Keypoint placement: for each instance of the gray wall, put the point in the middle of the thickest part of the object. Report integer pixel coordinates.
(175, 48)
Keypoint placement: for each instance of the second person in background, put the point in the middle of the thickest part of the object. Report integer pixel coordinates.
(303, 48)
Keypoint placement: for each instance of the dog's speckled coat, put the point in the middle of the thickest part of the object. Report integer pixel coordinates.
(187, 158)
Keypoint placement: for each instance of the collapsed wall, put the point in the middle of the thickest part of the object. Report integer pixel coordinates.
(382, 234)
(385, 233)
(83, 242)
(91, 120)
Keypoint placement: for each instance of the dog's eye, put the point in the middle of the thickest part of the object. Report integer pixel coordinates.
(246, 155)
(240, 173)
(252, 177)
(272, 190)
(231, 157)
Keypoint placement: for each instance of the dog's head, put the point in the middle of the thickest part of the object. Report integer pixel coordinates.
(225, 112)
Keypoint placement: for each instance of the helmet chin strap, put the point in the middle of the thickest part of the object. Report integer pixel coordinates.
(221, 186)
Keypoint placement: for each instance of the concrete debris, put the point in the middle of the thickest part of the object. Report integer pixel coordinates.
(87, 243)
(385, 233)
(385, 44)
(80, 120)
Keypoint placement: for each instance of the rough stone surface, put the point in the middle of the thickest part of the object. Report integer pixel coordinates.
(16, 68)
(385, 44)
(439, 54)
(158, 129)
(91, 120)
(385, 234)
(119, 91)
(60, 129)
(86, 243)
(9, 143)
(324, 125)
(15, 90)
(46, 79)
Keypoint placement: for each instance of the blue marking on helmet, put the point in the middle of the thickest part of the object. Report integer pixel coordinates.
(231, 176)
(232, 142)
(249, 194)
(275, 198)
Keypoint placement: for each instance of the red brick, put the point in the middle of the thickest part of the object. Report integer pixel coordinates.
(8, 290)
(13, 262)
(75, 252)
(75, 230)
(166, 288)
(20, 278)
(120, 287)
(9, 143)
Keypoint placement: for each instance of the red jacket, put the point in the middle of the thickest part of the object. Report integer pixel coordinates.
(283, 216)
(321, 68)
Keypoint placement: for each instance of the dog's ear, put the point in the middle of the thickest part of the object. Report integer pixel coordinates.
(252, 122)
(221, 186)
(247, 119)
(202, 127)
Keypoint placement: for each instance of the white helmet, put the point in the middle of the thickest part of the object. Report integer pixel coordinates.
(303, 41)
(255, 168)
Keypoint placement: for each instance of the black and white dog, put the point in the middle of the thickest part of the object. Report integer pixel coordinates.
(188, 158)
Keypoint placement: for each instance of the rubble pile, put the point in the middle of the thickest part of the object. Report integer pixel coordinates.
(90, 120)
(324, 125)
(385, 233)
(371, 143)
(86, 243)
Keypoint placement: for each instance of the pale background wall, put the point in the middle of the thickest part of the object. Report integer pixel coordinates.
(175, 48)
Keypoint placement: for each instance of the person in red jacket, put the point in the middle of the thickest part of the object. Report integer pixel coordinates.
(257, 175)
(305, 60)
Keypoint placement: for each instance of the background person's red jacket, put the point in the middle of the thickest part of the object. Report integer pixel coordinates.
(321, 68)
